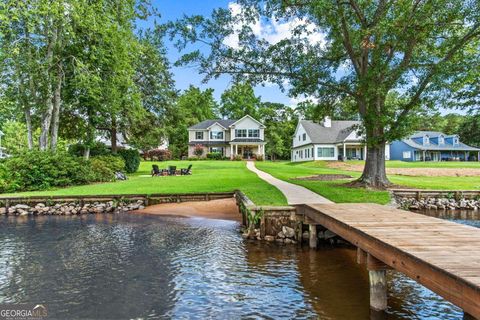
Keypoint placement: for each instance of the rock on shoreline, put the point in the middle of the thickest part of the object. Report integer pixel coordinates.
(70, 208)
(433, 203)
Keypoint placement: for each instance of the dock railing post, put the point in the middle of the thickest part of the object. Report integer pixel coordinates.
(312, 228)
(377, 275)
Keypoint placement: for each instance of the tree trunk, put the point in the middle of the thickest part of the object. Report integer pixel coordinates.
(28, 122)
(113, 136)
(86, 153)
(47, 114)
(57, 104)
(374, 174)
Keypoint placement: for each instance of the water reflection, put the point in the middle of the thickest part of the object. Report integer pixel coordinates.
(468, 217)
(128, 266)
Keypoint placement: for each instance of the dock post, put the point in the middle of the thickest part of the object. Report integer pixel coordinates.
(377, 274)
(312, 228)
(361, 256)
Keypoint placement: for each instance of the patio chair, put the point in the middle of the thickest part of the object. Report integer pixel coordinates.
(156, 170)
(187, 171)
(172, 170)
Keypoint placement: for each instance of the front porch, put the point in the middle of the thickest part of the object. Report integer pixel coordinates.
(247, 151)
(449, 155)
(351, 151)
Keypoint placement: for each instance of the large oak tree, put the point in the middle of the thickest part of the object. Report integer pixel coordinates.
(371, 49)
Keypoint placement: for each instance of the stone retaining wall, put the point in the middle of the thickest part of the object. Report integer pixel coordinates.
(276, 223)
(437, 200)
(76, 205)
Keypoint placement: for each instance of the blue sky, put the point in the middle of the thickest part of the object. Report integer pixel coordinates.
(185, 76)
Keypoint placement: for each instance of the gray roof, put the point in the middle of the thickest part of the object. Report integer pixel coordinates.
(207, 123)
(338, 132)
(434, 145)
(444, 147)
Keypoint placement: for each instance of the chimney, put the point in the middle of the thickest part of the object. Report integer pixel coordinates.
(327, 122)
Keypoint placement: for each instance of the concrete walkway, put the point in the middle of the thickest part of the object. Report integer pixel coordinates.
(295, 194)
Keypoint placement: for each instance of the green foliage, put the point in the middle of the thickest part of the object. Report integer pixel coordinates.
(238, 101)
(131, 158)
(35, 170)
(15, 139)
(96, 149)
(469, 130)
(105, 167)
(193, 106)
(215, 156)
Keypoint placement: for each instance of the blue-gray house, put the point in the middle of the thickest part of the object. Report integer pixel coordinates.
(432, 146)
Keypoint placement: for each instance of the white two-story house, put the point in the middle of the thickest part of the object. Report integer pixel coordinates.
(244, 137)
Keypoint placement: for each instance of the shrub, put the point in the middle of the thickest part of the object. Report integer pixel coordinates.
(104, 167)
(215, 156)
(198, 150)
(237, 158)
(259, 157)
(36, 170)
(131, 158)
(159, 154)
(97, 149)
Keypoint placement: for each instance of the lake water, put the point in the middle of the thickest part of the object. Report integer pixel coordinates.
(128, 266)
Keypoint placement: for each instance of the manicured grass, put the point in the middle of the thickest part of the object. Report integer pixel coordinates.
(427, 164)
(207, 176)
(333, 190)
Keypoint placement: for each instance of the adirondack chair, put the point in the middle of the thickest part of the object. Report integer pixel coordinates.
(187, 171)
(156, 170)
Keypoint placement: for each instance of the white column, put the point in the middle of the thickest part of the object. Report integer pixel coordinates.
(365, 152)
(231, 151)
(344, 152)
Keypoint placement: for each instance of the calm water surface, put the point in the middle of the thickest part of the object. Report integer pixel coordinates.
(127, 266)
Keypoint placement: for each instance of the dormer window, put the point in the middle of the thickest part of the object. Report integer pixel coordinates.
(455, 140)
(441, 140)
(426, 140)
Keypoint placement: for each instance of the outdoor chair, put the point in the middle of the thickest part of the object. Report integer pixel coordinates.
(172, 170)
(187, 171)
(156, 171)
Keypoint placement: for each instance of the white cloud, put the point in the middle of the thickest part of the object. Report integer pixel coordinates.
(272, 30)
(294, 101)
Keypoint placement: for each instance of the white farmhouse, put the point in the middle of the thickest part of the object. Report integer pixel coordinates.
(329, 140)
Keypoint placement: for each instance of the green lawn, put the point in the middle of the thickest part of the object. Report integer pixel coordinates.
(207, 176)
(333, 190)
(218, 176)
(427, 164)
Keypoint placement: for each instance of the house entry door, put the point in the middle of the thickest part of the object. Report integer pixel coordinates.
(247, 153)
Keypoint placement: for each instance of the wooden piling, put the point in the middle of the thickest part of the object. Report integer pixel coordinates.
(312, 228)
(377, 274)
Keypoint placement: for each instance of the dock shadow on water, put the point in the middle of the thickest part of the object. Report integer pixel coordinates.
(132, 266)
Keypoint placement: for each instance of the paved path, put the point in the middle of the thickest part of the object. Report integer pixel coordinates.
(295, 194)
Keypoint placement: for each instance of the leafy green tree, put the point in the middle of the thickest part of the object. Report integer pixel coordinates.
(193, 106)
(360, 49)
(469, 130)
(238, 101)
(280, 121)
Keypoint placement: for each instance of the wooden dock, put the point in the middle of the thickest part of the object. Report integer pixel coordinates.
(441, 255)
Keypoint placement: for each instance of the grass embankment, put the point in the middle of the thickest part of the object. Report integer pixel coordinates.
(437, 181)
(333, 190)
(208, 176)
